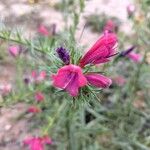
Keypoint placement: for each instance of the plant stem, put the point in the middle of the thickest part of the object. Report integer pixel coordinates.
(52, 120)
(20, 42)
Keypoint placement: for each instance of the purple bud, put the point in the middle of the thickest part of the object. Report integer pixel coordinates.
(126, 52)
(53, 28)
(130, 10)
(63, 55)
(26, 80)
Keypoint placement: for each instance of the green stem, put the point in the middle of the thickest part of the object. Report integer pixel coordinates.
(20, 42)
(52, 120)
(71, 130)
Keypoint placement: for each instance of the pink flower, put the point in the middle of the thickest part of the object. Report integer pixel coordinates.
(101, 51)
(135, 57)
(5, 89)
(42, 75)
(43, 30)
(39, 96)
(37, 143)
(34, 109)
(69, 78)
(110, 26)
(98, 80)
(14, 50)
(38, 77)
(34, 74)
(130, 9)
(119, 80)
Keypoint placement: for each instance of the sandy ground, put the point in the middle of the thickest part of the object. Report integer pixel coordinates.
(28, 16)
(19, 13)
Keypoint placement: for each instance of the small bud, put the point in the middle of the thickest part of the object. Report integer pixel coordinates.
(130, 10)
(14, 50)
(5, 89)
(33, 109)
(53, 29)
(26, 80)
(63, 55)
(39, 96)
(126, 52)
(43, 30)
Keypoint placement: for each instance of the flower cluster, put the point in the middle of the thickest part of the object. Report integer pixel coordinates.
(71, 77)
(36, 78)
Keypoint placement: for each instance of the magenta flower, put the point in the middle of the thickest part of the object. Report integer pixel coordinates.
(34, 109)
(41, 76)
(43, 30)
(39, 96)
(119, 80)
(130, 10)
(5, 89)
(14, 50)
(34, 74)
(110, 26)
(37, 143)
(135, 57)
(101, 51)
(69, 78)
(38, 77)
(98, 80)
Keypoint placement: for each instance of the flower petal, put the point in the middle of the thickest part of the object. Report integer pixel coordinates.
(98, 80)
(61, 79)
(103, 48)
(35, 143)
(70, 78)
(43, 30)
(73, 86)
(135, 57)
